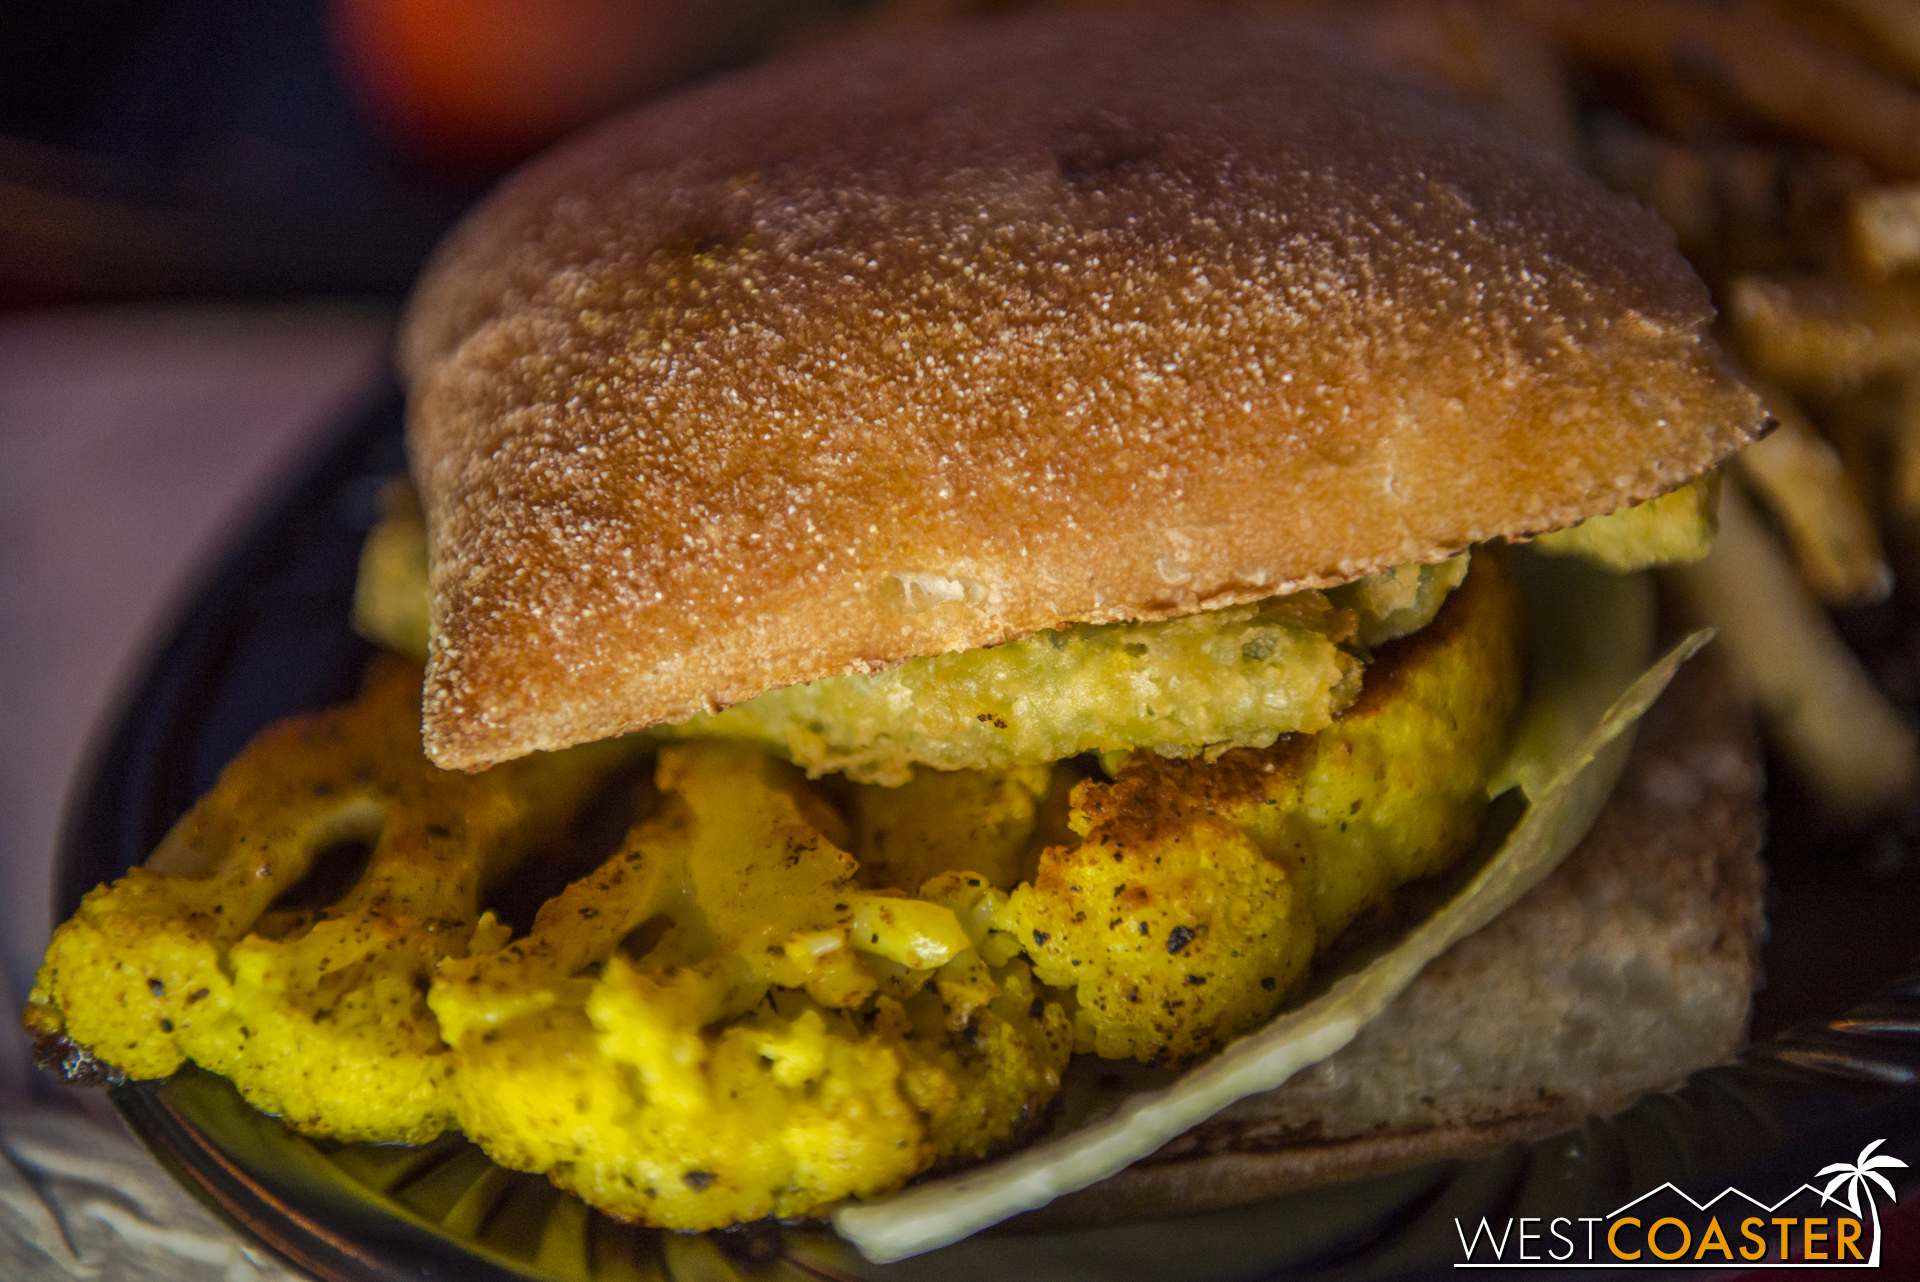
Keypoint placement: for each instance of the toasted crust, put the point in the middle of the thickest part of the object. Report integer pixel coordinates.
(933, 339)
(1628, 968)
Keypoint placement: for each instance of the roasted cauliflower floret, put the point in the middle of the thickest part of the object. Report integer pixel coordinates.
(764, 1115)
(1199, 893)
(783, 1039)
(1174, 935)
(942, 820)
(322, 1019)
(739, 872)
(1015, 1036)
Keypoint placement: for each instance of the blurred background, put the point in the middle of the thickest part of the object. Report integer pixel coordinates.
(163, 148)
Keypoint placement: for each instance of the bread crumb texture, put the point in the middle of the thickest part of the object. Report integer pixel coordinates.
(944, 336)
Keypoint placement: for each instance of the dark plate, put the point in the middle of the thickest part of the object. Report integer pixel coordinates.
(267, 635)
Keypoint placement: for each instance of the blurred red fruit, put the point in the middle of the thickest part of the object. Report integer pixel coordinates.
(473, 85)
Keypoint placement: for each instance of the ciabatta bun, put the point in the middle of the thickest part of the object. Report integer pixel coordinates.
(945, 336)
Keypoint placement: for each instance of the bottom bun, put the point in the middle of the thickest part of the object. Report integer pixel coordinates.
(1628, 968)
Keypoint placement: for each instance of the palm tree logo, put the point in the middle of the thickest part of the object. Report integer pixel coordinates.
(1855, 1175)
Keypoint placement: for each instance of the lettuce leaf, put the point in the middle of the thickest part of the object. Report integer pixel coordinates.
(1589, 683)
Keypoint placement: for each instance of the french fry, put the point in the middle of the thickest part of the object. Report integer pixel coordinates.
(1529, 86)
(1475, 48)
(1822, 332)
(1820, 706)
(1749, 56)
(1903, 441)
(1737, 208)
(1799, 478)
(1883, 228)
(1784, 208)
(1858, 422)
(1893, 26)
(1672, 179)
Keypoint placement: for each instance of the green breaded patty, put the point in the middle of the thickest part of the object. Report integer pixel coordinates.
(1228, 678)
(1237, 677)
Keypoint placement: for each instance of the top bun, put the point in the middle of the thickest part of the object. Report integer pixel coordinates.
(944, 336)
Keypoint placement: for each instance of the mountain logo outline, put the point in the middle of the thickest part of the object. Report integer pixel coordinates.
(1691, 1235)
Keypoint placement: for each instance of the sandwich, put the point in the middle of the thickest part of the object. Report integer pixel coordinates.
(1072, 539)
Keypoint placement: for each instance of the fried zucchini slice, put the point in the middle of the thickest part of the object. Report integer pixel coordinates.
(1241, 674)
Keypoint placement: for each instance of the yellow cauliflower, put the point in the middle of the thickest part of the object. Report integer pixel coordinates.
(317, 1015)
(731, 1018)
(1199, 893)
(991, 823)
(773, 1115)
(1014, 1031)
(721, 1024)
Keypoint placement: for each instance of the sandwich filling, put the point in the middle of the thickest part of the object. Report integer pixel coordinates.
(1237, 677)
(1199, 684)
(780, 992)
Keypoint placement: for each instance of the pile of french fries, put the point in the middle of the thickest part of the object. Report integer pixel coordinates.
(1781, 139)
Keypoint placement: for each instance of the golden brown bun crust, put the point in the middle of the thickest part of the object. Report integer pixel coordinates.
(1629, 967)
(933, 339)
